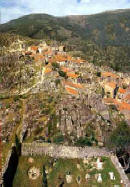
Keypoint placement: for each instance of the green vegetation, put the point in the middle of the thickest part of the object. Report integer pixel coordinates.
(55, 66)
(59, 168)
(120, 137)
(119, 142)
(83, 141)
(108, 28)
(63, 74)
(89, 139)
(98, 74)
(57, 81)
(102, 39)
(58, 139)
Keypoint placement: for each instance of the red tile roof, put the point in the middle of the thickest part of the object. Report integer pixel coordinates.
(71, 91)
(65, 69)
(110, 101)
(48, 70)
(124, 106)
(34, 48)
(73, 85)
(127, 97)
(109, 74)
(121, 90)
(72, 75)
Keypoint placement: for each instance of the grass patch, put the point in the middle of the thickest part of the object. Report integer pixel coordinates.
(58, 169)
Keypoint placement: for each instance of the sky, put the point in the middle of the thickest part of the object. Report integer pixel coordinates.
(12, 9)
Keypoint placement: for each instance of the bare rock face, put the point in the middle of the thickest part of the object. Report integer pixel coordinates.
(74, 114)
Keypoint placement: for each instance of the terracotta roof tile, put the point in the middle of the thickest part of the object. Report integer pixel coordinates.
(71, 91)
(121, 90)
(34, 48)
(124, 106)
(72, 75)
(48, 70)
(65, 69)
(110, 101)
(73, 85)
(127, 97)
(109, 74)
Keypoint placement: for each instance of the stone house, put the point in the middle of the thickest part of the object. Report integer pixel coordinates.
(110, 89)
(62, 48)
(120, 94)
(33, 49)
(109, 77)
(126, 98)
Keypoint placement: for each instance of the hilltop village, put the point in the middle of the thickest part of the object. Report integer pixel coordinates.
(80, 77)
(56, 98)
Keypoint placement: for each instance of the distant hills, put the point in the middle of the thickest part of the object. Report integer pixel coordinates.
(107, 28)
(103, 39)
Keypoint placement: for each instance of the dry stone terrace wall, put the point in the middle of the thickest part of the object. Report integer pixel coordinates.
(60, 151)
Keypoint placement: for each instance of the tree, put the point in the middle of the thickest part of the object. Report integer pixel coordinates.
(55, 66)
(63, 74)
(119, 142)
(44, 181)
(120, 137)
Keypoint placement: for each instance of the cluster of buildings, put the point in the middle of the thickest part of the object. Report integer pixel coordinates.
(117, 92)
(57, 54)
(115, 87)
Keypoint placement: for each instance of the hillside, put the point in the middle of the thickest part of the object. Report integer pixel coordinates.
(56, 104)
(103, 39)
(108, 28)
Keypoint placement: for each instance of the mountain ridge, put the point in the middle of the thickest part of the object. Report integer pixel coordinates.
(106, 28)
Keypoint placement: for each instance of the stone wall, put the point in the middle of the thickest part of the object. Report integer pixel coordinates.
(62, 151)
(5, 166)
(120, 170)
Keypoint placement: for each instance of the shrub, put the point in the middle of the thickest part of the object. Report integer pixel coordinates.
(57, 82)
(55, 65)
(38, 130)
(58, 139)
(62, 74)
(84, 141)
(16, 98)
(98, 74)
